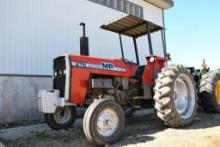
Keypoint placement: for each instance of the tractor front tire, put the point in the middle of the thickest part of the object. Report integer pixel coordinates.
(63, 118)
(103, 122)
(209, 92)
(175, 96)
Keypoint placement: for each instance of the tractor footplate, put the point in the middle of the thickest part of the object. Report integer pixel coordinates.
(141, 102)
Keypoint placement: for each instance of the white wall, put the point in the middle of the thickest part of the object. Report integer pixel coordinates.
(18, 98)
(33, 32)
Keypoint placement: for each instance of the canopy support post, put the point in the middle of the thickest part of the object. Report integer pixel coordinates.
(149, 39)
(136, 50)
(122, 50)
(164, 44)
(164, 36)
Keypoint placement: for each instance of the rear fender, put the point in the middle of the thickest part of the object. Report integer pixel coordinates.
(154, 66)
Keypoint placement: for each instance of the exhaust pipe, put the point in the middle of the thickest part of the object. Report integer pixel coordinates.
(84, 42)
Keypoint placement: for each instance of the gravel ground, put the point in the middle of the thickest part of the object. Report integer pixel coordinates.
(143, 129)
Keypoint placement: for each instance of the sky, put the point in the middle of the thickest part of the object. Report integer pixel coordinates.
(193, 32)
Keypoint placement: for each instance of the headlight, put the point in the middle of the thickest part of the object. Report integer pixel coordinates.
(60, 72)
(55, 73)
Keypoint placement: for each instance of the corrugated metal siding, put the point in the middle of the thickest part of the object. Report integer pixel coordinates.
(33, 32)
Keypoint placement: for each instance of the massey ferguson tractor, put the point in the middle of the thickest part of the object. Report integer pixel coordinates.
(110, 89)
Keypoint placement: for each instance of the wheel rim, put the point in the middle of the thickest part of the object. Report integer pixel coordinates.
(184, 96)
(107, 122)
(62, 115)
(217, 91)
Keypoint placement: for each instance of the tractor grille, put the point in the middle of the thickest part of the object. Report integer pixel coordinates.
(59, 80)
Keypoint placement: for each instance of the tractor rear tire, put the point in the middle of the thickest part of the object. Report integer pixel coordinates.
(175, 96)
(103, 122)
(209, 92)
(63, 118)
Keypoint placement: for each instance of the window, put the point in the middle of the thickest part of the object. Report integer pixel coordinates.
(119, 5)
(122, 5)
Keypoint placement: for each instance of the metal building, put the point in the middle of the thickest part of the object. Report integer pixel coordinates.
(33, 32)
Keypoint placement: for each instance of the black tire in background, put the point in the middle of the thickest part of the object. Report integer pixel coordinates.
(209, 92)
(95, 116)
(63, 118)
(175, 96)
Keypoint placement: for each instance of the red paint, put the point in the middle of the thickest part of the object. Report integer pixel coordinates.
(80, 76)
(152, 68)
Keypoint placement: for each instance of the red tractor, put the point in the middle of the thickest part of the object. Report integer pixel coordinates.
(110, 89)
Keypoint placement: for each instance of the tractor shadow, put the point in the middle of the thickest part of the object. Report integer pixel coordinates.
(204, 120)
(142, 127)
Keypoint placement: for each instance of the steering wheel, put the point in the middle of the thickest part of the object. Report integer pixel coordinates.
(128, 62)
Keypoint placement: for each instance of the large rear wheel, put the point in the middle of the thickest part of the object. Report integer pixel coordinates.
(63, 118)
(175, 96)
(209, 92)
(103, 122)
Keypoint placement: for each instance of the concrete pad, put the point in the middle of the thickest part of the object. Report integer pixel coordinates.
(1, 145)
(18, 132)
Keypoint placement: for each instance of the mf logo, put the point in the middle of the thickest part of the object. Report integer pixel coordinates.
(107, 66)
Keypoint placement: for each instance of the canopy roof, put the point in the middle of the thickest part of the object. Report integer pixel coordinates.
(131, 26)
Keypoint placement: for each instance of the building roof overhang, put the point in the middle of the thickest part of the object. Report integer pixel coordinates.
(163, 4)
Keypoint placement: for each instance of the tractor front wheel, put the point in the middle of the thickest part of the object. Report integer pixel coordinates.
(63, 118)
(209, 92)
(103, 122)
(175, 96)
